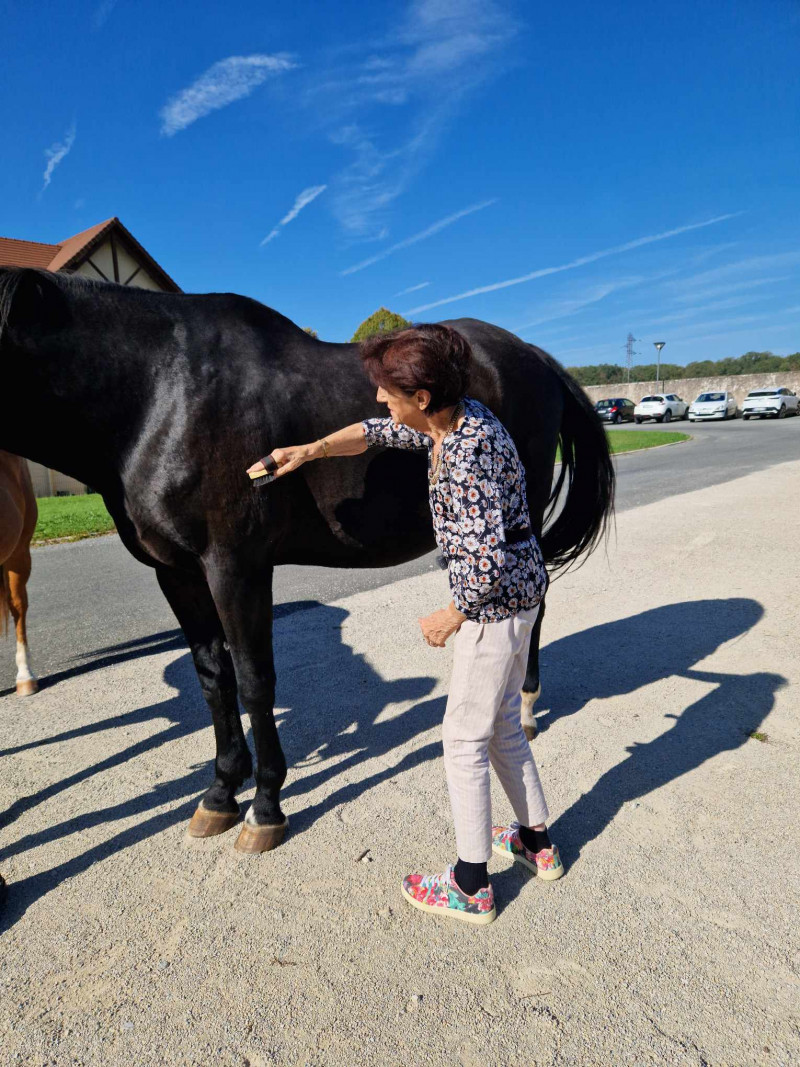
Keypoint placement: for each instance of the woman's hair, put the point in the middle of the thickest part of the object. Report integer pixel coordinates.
(425, 356)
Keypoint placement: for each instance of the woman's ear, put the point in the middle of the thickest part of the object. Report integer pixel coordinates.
(423, 398)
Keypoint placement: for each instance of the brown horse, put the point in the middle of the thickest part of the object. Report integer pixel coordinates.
(18, 514)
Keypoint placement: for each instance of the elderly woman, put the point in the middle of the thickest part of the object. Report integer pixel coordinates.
(497, 579)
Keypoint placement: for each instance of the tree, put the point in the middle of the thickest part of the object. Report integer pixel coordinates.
(311, 333)
(380, 321)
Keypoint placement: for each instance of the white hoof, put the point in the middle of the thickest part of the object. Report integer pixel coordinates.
(526, 715)
(26, 680)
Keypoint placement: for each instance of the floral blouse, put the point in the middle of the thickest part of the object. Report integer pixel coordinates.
(479, 494)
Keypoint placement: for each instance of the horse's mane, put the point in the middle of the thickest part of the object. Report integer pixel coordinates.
(10, 278)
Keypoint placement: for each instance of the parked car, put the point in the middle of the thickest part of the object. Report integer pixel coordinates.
(617, 410)
(774, 403)
(663, 407)
(713, 406)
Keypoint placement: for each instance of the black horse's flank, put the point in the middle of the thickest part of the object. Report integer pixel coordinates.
(160, 401)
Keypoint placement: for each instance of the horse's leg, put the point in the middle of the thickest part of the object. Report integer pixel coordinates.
(18, 570)
(532, 686)
(244, 603)
(194, 608)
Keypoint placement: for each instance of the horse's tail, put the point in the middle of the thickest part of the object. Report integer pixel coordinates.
(587, 472)
(4, 600)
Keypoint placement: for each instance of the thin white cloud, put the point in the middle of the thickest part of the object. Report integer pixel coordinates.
(580, 262)
(751, 267)
(226, 81)
(695, 295)
(720, 329)
(421, 236)
(427, 63)
(571, 306)
(716, 305)
(301, 201)
(102, 12)
(412, 289)
(688, 333)
(56, 152)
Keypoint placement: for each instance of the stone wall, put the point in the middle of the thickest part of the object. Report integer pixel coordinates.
(689, 389)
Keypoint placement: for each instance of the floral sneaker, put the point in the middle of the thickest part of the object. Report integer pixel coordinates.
(439, 893)
(546, 864)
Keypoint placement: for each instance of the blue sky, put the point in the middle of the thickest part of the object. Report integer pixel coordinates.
(569, 172)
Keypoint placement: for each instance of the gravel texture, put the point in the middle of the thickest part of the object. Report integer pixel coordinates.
(673, 939)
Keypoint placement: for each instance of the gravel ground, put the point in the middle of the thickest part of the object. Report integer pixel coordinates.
(673, 939)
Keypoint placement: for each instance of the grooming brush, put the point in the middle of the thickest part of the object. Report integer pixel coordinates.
(268, 474)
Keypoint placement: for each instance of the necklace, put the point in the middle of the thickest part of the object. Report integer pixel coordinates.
(433, 477)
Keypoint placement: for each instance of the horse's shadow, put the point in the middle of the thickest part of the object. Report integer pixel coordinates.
(332, 721)
(312, 659)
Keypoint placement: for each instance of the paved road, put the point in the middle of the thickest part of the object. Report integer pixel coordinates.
(91, 596)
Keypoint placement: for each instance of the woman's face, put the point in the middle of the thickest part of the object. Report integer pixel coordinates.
(406, 409)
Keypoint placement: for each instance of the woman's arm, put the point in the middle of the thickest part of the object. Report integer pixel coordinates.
(393, 434)
(349, 441)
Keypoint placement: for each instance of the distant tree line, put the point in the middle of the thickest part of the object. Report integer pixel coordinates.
(749, 363)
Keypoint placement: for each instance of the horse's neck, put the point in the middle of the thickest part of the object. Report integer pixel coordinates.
(80, 399)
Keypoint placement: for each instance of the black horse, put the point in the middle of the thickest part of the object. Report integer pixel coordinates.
(160, 401)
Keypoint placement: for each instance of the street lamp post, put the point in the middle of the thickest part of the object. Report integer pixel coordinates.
(659, 345)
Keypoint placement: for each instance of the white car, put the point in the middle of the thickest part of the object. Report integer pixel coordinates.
(713, 406)
(663, 407)
(776, 403)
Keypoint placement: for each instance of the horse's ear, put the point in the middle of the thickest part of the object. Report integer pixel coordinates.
(32, 299)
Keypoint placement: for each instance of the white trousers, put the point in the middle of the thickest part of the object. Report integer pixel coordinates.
(482, 726)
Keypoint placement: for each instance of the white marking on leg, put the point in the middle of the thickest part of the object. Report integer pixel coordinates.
(250, 818)
(24, 673)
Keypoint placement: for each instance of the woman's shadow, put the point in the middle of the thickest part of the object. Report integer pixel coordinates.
(632, 653)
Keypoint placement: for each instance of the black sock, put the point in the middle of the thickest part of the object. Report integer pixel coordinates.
(534, 840)
(470, 877)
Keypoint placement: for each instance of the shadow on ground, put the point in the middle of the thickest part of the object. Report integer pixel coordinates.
(335, 701)
(625, 656)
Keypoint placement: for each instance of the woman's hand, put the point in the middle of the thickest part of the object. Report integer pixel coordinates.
(442, 624)
(288, 459)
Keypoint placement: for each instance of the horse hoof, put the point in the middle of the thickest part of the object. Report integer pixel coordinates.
(207, 823)
(27, 688)
(253, 838)
(526, 714)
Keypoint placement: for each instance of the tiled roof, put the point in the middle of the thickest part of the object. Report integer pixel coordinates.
(74, 250)
(14, 253)
(78, 247)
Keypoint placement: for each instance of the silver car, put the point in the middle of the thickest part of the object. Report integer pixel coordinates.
(713, 406)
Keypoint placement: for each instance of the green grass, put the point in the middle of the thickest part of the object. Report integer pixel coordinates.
(71, 518)
(633, 440)
(757, 735)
